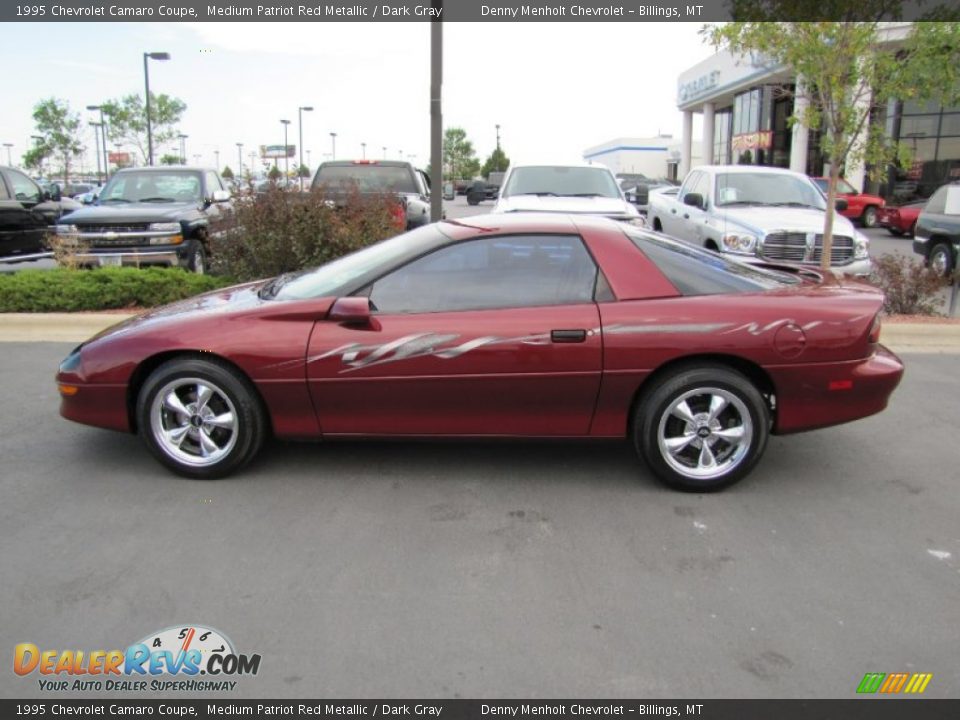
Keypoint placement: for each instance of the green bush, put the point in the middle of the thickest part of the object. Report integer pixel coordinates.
(909, 287)
(281, 230)
(63, 290)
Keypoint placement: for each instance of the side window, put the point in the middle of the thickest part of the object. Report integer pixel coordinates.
(425, 180)
(937, 203)
(24, 189)
(4, 195)
(692, 185)
(213, 183)
(498, 272)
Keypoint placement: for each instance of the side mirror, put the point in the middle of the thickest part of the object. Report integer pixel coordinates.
(694, 200)
(220, 196)
(841, 204)
(353, 311)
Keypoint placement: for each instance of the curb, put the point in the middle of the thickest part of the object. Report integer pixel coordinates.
(77, 327)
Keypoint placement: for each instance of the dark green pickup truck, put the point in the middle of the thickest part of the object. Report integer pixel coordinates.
(937, 235)
(27, 213)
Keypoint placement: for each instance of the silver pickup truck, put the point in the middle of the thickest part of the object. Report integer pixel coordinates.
(769, 214)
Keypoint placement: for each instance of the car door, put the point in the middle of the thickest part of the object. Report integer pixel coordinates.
(673, 220)
(491, 336)
(216, 212)
(22, 221)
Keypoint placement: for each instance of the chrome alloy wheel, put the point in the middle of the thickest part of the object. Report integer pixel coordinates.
(705, 433)
(194, 421)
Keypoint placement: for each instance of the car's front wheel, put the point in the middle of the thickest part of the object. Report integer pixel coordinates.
(869, 217)
(200, 418)
(701, 429)
(197, 259)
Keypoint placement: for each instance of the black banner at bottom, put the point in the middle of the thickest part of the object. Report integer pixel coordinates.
(875, 708)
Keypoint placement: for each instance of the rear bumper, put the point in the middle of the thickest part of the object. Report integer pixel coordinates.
(812, 396)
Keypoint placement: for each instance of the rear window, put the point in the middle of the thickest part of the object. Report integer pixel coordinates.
(694, 271)
(563, 181)
(366, 178)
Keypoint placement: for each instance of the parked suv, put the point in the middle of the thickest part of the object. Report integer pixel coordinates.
(937, 233)
(151, 216)
(338, 178)
(27, 212)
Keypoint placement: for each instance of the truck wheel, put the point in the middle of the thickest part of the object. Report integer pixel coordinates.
(197, 260)
(869, 217)
(941, 260)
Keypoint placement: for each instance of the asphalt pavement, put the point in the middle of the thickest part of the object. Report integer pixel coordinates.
(494, 569)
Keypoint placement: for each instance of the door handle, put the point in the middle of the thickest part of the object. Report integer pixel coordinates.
(673, 212)
(568, 336)
(686, 216)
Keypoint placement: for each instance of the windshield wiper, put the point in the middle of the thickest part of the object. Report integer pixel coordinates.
(538, 194)
(794, 203)
(740, 202)
(156, 199)
(109, 200)
(584, 195)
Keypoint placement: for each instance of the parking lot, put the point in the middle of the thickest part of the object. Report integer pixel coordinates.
(495, 569)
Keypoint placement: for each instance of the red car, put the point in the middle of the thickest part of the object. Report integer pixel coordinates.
(497, 326)
(860, 206)
(901, 220)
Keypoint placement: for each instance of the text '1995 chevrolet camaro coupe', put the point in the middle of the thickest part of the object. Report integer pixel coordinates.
(497, 326)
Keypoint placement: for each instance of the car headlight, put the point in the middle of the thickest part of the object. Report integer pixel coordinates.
(743, 244)
(164, 227)
(861, 247)
(65, 229)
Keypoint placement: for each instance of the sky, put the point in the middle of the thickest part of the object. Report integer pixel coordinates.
(555, 89)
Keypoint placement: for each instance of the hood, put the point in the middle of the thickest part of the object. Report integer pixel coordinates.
(762, 220)
(120, 213)
(573, 205)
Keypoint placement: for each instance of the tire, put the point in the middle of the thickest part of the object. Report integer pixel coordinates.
(913, 229)
(657, 424)
(896, 232)
(941, 259)
(189, 441)
(197, 259)
(869, 217)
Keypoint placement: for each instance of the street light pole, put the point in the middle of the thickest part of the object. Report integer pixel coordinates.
(436, 112)
(216, 164)
(103, 136)
(239, 161)
(96, 141)
(183, 149)
(498, 139)
(146, 82)
(300, 110)
(286, 153)
(363, 147)
(384, 152)
(8, 146)
(333, 150)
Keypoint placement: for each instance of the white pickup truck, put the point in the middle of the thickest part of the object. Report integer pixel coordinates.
(766, 213)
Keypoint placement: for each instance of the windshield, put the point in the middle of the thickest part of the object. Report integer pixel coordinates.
(695, 271)
(153, 186)
(562, 182)
(351, 272)
(367, 178)
(758, 188)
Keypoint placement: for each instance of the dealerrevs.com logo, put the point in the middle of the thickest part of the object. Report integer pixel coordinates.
(189, 658)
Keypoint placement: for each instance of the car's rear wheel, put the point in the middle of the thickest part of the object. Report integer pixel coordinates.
(200, 418)
(701, 429)
(896, 232)
(197, 260)
(941, 260)
(869, 217)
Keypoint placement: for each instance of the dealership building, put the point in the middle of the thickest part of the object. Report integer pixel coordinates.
(744, 104)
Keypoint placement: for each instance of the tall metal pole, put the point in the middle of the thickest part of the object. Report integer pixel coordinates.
(106, 155)
(333, 146)
(146, 82)
(286, 154)
(436, 113)
(96, 142)
(239, 161)
(216, 164)
(498, 139)
(8, 146)
(363, 147)
(300, 110)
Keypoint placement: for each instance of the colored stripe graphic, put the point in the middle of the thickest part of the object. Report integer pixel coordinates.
(918, 683)
(913, 683)
(894, 683)
(871, 682)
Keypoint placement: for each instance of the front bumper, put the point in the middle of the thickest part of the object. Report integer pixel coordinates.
(129, 258)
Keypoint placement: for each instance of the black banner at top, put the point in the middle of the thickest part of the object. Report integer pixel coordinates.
(471, 10)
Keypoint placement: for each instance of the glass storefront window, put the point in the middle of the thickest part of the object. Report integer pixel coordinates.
(919, 126)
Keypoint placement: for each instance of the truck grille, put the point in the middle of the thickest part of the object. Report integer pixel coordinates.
(137, 228)
(792, 247)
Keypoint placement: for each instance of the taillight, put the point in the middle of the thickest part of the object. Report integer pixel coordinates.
(399, 216)
(874, 336)
(364, 162)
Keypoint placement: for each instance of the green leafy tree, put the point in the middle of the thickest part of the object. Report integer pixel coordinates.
(169, 159)
(59, 129)
(847, 73)
(458, 155)
(227, 173)
(127, 120)
(303, 172)
(497, 162)
(275, 173)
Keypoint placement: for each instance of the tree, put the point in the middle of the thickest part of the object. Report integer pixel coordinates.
(169, 159)
(497, 162)
(274, 173)
(127, 120)
(227, 173)
(846, 74)
(458, 155)
(303, 172)
(59, 129)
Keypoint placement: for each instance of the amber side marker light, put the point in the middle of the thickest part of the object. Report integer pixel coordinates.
(67, 390)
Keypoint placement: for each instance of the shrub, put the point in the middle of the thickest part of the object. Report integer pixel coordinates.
(63, 290)
(909, 287)
(281, 230)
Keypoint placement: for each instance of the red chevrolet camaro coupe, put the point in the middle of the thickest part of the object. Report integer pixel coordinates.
(497, 326)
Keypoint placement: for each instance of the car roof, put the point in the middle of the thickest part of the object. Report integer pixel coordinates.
(163, 168)
(360, 163)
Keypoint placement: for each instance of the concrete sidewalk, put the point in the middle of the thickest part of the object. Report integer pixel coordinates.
(905, 337)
